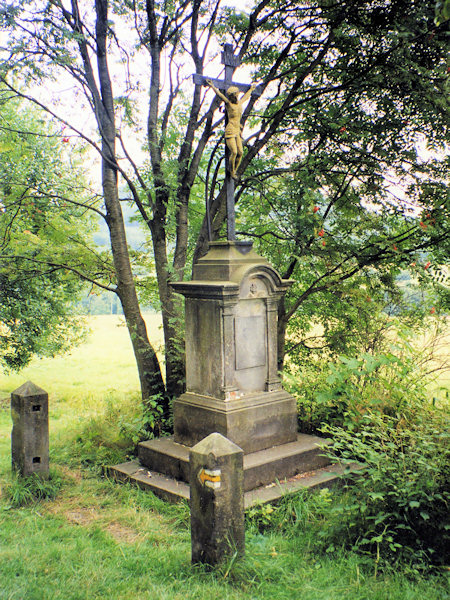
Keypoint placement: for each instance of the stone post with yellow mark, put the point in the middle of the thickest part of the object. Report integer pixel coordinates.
(217, 499)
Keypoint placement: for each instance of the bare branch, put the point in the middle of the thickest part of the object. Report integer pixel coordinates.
(61, 266)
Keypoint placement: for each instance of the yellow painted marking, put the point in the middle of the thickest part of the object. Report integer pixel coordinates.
(208, 476)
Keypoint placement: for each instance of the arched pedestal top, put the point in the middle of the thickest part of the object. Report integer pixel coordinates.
(229, 269)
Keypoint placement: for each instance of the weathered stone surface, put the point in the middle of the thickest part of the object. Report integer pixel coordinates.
(282, 462)
(225, 261)
(29, 437)
(163, 455)
(260, 468)
(253, 422)
(217, 499)
(327, 477)
(174, 491)
(233, 386)
(231, 308)
(204, 347)
(162, 486)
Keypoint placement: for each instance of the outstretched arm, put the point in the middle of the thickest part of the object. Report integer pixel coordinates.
(248, 93)
(218, 92)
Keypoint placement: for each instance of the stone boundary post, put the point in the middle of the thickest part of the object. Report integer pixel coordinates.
(29, 437)
(217, 499)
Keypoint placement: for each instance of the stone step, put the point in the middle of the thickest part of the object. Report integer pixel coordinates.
(174, 491)
(329, 476)
(163, 455)
(162, 486)
(282, 462)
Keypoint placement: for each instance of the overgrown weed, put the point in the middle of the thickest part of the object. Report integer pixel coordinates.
(397, 511)
(294, 514)
(393, 380)
(109, 436)
(20, 491)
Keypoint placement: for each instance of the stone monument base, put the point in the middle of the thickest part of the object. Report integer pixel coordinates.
(254, 422)
(269, 474)
(232, 384)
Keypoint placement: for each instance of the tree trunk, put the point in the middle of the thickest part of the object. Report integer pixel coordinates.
(170, 312)
(147, 362)
(158, 223)
(148, 366)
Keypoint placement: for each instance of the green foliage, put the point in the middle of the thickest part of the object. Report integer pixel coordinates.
(98, 538)
(148, 424)
(107, 438)
(43, 233)
(347, 208)
(390, 381)
(346, 261)
(395, 511)
(351, 92)
(442, 11)
(295, 515)
(399, 508)
(260, 517)
(99, 303)
(20, 491)
(377, 411)
(34, 319)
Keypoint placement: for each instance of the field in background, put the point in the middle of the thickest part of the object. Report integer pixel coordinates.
(102, 366)
(433, 354)
(439, 347)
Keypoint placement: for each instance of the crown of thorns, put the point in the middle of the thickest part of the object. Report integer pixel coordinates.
(233, 90)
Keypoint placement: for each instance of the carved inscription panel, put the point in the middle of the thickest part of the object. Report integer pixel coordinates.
(250, 337)
(253, 287)
(250, 340)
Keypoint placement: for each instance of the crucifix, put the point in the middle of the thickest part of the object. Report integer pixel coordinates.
(233, 140)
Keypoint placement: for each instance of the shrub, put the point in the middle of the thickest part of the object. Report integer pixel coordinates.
(340, 393)
(376, 410)
(143, 424)
(398, 508)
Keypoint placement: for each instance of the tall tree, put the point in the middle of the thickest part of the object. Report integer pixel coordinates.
(60, 37)
(347, 88)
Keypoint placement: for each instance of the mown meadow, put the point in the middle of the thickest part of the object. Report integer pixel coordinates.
(81, 536)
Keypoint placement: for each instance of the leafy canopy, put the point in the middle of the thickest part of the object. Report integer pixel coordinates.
(44, 236)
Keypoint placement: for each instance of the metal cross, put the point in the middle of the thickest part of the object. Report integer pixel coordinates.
(231, 62)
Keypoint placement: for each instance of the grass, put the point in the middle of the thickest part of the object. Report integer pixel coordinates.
(97, 539)
(101, 540)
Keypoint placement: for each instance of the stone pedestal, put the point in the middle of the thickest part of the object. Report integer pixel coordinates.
(232, 385)
(29, 437)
